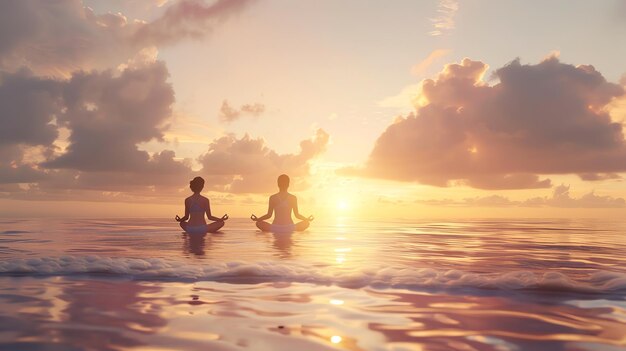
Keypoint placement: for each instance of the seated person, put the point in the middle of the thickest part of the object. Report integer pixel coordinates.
(281, 204)
(196, 206)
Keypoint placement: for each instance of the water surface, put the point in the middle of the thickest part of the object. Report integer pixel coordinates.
(429, 285)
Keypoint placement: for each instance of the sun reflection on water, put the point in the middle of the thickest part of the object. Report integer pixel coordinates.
(335, 339)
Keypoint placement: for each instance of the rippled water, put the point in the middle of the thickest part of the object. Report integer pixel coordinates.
(458, 285)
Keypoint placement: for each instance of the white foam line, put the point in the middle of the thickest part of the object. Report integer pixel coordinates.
(162, 269)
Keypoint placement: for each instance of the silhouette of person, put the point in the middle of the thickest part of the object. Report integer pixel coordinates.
(196, 206)
(281, 204)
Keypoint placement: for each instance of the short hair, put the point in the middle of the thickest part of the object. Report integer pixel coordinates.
(283, 181)
(196, 184)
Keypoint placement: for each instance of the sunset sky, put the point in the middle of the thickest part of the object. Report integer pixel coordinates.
(380, 109)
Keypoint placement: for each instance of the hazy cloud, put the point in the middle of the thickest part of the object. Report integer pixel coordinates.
(435, 55)
(58, 37)
(599, 176)
(157, 172)
(444, 22)
(229, 114)
(548, 118)
(187, 19)
(247, 165)
(560, 197)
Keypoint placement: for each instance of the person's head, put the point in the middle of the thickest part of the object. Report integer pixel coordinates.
(196, 184)
(283, 182)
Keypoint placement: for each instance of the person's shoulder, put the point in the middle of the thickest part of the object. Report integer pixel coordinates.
(274, 197)
(204, 198)
(293, 197)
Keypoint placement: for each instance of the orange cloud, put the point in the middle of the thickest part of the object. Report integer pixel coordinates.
(548, 118)
(247, 165)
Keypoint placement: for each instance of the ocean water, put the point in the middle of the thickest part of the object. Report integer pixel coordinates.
(141, 284)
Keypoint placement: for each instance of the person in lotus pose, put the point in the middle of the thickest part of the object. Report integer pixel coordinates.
(281, 204)
(196, 206)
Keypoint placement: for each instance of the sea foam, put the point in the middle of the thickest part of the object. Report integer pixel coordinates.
(270, 271)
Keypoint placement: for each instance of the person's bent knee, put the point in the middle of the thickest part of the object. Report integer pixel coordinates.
(264, 226)
(302, 226)
(215, 226)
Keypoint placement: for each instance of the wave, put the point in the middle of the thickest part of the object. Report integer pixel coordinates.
(256, 272)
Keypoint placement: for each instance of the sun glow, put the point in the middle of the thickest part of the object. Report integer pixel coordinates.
(342, 205)
(335, 339)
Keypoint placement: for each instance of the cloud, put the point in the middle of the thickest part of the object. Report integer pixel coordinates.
(28, 106)
(599, 176)
(187, 19)
(560, 198)
(247, 165)
(404, 100)
(444, 22)
(54, 38)
(158, 171)
(229, 114)
(547, 118)
(421, 67)
(107, 115)
(95, 77)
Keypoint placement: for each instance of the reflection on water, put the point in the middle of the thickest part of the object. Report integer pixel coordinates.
(71, 314)
(94, 314)
(567, 246)
(459, 285)
(195, 243)
(282, 244)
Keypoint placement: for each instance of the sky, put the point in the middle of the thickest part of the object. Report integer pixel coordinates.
(403, 109)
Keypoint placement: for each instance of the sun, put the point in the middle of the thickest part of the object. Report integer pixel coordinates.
(342, 205)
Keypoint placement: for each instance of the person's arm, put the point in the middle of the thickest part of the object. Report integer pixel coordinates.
(268, 215)
(210, 216)
(178, 219)
(297, 213)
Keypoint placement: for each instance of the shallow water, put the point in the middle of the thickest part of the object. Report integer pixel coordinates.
(458, 285)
